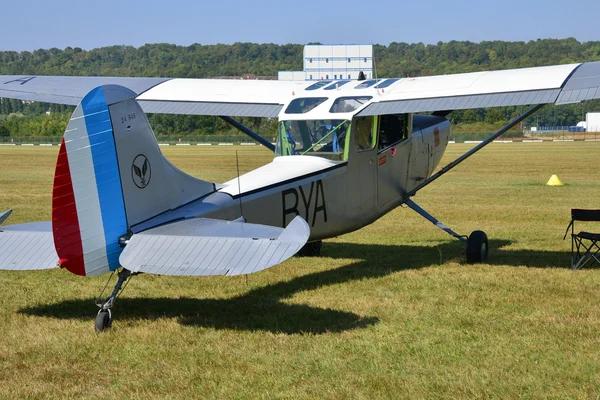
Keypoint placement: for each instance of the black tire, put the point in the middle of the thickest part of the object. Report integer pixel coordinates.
(477, 247)
(312, 249)
(103, 320)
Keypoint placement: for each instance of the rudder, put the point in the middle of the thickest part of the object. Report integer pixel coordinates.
(110, 176)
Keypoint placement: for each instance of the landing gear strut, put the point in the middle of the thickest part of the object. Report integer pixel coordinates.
(104, 317)
(312, 249)
(477, 242)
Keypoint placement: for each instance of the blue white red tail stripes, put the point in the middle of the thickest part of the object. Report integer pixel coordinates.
(88, 211)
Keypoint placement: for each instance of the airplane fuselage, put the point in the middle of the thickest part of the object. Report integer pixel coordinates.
(333, 196)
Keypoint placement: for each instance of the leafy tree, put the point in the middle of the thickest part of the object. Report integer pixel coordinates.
(398, 59)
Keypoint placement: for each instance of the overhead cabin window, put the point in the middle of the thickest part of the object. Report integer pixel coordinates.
(318, 85)
(367, 84)
(348, 104)
(364, 133)
(322, 138)
(386, 83)
(392, 129)
(304, 105)
(336, 85)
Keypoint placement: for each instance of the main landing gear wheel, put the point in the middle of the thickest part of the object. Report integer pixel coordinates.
(103, 320)
(477, 247)
(312, 249)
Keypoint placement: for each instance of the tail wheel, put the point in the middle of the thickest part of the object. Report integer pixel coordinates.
(103, 320)
(312, 249)
(477, 247)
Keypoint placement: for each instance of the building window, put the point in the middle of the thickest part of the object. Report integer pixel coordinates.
(365, 59)
(310, 60)
(349, 60)
(311, 77)
(335, 76)
(326, 76)
(327, 60)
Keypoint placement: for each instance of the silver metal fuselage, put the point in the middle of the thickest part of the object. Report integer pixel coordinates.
(334, 197)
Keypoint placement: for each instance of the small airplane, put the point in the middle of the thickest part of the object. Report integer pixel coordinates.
(347, 152)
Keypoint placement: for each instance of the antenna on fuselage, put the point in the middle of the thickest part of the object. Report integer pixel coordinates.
(237, 165)
(374, 69)
(373, 61)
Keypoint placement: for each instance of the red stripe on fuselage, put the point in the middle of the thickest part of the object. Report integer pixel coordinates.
(65, 223)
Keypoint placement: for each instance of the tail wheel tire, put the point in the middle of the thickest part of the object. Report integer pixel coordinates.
(103, 320)
(477, 247)
(312, 249)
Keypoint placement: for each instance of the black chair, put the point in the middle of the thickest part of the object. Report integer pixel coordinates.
(584, 245)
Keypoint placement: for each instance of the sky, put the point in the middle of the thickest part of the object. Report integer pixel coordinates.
(44, 24)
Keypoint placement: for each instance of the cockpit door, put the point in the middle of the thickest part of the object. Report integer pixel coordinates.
(395, 148)
(362, 167)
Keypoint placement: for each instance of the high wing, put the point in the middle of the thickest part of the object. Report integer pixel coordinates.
(241, 98)
(203, 247)
(561, 84)
(253, 98)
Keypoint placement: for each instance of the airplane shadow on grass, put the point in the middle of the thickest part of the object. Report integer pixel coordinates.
(264, 308)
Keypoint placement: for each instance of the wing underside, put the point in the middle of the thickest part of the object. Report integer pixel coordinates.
(558, 84)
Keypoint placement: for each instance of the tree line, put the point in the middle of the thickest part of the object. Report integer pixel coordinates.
(202, 61)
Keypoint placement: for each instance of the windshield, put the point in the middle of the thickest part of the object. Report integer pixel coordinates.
(324, 138)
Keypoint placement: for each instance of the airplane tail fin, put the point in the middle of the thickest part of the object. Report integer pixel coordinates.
(110, 176)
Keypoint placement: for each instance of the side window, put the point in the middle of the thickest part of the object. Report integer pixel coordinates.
(392, 129)
(363, 133)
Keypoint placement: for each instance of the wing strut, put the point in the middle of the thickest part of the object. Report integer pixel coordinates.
(433, 220)
(475, 149)
(4, 216)
(249, 132)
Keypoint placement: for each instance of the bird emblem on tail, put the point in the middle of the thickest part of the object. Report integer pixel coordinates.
(140, 171)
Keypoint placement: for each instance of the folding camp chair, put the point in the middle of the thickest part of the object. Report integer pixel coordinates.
(584, 245)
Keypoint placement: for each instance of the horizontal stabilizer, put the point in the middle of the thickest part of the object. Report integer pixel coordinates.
(201, 247)
(27, 246)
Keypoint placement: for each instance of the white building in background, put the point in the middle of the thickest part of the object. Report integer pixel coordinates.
(592, 122)
(330, 62)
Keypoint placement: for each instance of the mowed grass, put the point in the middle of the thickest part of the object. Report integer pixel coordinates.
(389, 311)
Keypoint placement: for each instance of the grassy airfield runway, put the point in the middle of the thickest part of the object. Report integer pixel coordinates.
(389, 311)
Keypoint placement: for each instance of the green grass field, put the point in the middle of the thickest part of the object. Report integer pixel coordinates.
(389, 311)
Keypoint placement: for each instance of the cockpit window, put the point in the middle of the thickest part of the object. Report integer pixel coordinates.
(387, 83)
(367, 84)
(318, 85)
(304, 105)
(348, 104)
(336, 85)
(324, 138)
